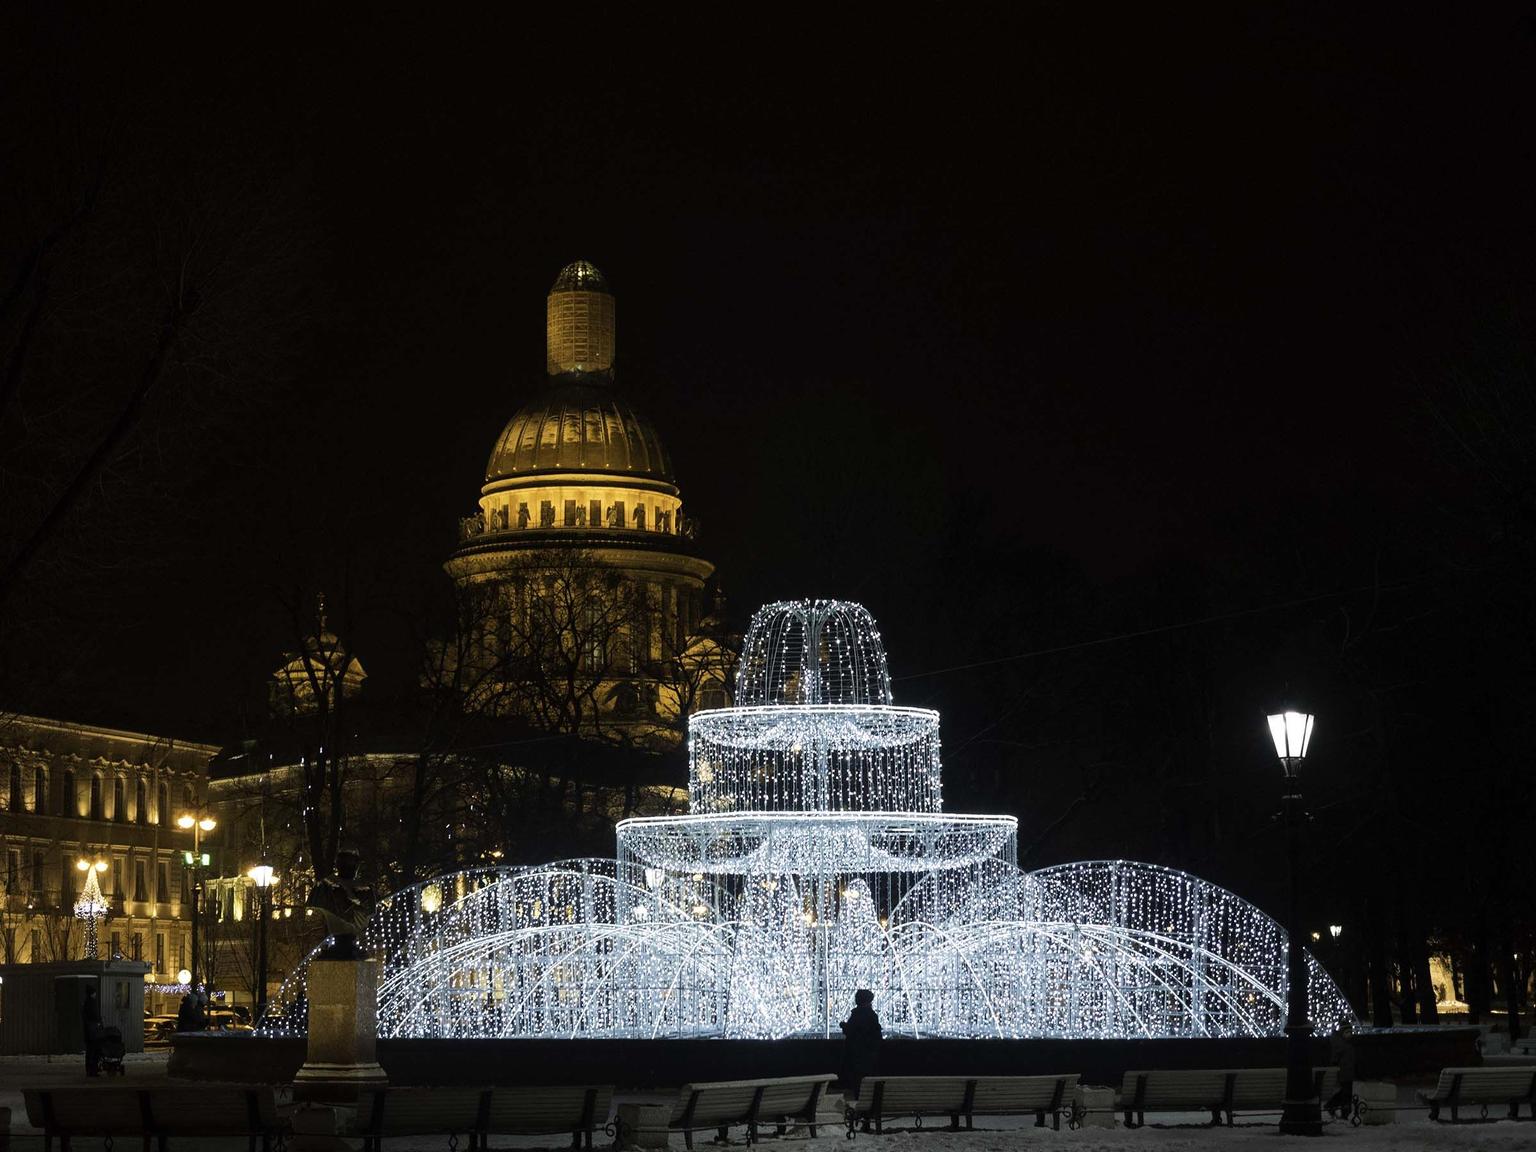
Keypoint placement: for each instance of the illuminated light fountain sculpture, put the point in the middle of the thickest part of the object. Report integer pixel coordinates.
(816, 860)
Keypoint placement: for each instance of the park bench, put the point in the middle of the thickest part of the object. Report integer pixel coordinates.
(1221, 1091)
(960, 1097)
(479, 1113)
(726, 1104)
(1458, 1087)
(154, 1114)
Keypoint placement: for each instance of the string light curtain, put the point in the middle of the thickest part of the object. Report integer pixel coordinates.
(817, 860)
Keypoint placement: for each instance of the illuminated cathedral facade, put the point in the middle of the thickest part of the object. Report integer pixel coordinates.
(582, 593)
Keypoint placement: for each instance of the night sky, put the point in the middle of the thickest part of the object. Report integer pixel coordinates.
(926, 312)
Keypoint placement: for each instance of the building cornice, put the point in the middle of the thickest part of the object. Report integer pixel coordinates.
(491, 559)
(19, 721)
(565, 477)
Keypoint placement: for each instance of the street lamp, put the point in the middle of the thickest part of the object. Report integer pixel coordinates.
(263, 876)
(1303, 1114)
(196, 860)
(92, 905)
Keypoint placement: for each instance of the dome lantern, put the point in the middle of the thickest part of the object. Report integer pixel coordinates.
(579, 322)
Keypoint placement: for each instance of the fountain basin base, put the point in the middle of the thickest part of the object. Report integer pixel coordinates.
(667, 1064)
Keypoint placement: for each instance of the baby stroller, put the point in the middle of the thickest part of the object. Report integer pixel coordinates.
(112, 1051)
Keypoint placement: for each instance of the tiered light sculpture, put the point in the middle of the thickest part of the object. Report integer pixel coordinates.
(817, 859)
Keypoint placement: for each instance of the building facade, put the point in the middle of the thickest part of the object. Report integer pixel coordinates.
(111, 799)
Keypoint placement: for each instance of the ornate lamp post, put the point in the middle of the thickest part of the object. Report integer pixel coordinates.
(1303, 1114)
(264, 877)
(91, 905)
(196, 860)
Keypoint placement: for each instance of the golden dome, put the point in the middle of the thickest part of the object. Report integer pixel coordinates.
(579, 426)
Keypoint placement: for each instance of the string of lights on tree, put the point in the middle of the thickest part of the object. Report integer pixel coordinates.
(817, 861)
(91, 907)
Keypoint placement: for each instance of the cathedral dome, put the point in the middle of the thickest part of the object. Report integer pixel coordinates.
(579, 426)
(582, 422)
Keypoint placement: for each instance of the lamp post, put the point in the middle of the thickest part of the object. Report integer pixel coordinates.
(264, 878)
(92, 905)
(1303, 1114)
(196, 860)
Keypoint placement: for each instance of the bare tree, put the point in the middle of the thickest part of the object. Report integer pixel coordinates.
(312, 693)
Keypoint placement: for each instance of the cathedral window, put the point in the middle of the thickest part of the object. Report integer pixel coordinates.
(40, 790)
(96, 810)
(594, 512)
(141, 802)
(12, 870)
(119, 799)
(163, 814)
(597, 654)
(13, 797)
(37, 871)
(712, 694)
(67, 794)
(140, 887)
(163, 882)
(570, 513)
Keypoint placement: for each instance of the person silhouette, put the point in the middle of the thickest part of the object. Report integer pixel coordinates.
(861, 1043)
(90, 1024)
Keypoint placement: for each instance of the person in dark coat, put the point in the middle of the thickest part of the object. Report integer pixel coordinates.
(189, 1015)
(861, 1043)
(90, 1023)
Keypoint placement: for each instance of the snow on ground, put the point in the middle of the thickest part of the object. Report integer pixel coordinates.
(1412, 1131)
(1407, 1135)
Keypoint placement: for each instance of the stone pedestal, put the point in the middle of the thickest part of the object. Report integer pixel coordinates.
(343, 1031)
(1377, 1101)
(1095, 1106)
(643, 1126)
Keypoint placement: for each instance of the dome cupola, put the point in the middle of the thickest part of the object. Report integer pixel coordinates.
(579, 323)
(579, 454)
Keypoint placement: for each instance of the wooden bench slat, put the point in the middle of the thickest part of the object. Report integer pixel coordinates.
(1219, 1090)
(540, 1111)
(730, 1103)
(960, 1097)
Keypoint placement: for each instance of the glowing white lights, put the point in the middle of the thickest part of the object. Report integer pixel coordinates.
(91, 906)
(1291, 732)
(817, 861)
